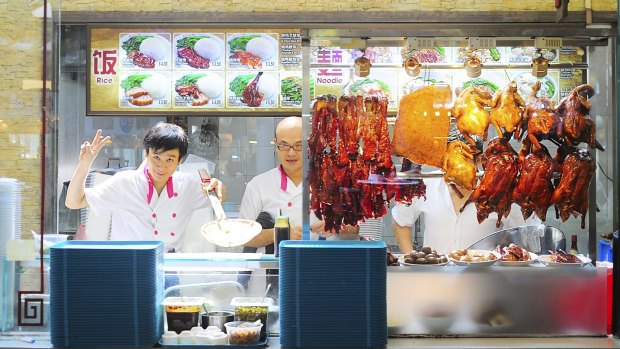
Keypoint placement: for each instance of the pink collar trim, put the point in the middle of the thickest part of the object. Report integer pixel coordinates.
(169, 186)
(283, 179)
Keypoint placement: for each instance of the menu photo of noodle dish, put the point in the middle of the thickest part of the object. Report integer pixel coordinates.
(254, 51)
(291, 89)
(140, 89)
(487, 55)
(548, 87)
(435, 55)
(380, 84)
(194, 89)
(144, 51)
(248, 89)
(199, 51)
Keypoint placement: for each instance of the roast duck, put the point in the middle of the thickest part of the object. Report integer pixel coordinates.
(534, 187)
(471, 117)
(540, 119)
(571, 194)
(422, 125)
(349, 146)
(506, 114)
(578, 125)
(459, 166)
(494, 192)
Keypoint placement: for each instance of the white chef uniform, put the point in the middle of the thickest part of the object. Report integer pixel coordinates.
(446, 229)
(271, 192)
(139, 213)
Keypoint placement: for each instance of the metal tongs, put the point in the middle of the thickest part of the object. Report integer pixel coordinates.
(223, 231)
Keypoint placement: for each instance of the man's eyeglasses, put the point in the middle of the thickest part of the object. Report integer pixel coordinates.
(286, 147)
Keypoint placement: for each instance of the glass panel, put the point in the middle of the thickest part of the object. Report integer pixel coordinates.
(334, 71)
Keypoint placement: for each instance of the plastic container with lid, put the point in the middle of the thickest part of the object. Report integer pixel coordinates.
(252, 309)
(243, 332)
(182, 313)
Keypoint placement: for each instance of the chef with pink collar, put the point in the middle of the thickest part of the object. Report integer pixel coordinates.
(154, 202)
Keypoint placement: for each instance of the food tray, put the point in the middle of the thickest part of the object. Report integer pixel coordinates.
(546, 260)
(476, 264)
(533, 258)
(260, 344)
(401, 260)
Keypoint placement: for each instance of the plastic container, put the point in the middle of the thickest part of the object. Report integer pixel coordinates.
(49, 240)
(252, 309)
(605, 253)
(243, 332)
(182, 313)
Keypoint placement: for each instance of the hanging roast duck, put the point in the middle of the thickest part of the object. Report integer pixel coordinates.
(540, 119)
(506, 114)
(578, 125)
(471, 117)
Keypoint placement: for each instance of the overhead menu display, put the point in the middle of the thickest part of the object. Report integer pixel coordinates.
(148, 71)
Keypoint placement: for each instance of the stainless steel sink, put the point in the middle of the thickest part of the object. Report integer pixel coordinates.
(537, 239)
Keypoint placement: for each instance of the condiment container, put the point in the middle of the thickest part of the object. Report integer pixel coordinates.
(203, 338)
(170, 337)
(252, 309)
(218, 338)
(182, 313)
(243, 332)
(186, 337)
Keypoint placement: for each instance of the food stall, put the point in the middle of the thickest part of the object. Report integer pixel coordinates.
(450, 300)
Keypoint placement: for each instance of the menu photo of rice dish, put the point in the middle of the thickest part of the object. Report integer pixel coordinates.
(199, 51)
(549, 86)
(252, 89)
(526, 54)
(489, 81)
(426, 77)
(252, 51)
(194, 89)
(140, 89)
(144, 51)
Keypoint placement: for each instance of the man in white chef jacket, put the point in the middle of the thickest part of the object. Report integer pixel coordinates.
(155, 202)
(279, 189)
(445, 228)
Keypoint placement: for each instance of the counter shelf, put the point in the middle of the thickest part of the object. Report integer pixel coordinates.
(260, 344)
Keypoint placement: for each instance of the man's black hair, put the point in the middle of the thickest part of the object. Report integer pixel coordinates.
(164, 137)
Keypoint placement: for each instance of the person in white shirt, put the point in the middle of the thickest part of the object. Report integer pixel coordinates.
(280, 190)
(445, 228)
(155, 202)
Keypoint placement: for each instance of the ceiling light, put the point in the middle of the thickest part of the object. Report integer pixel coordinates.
(473, 64)
(412, 66)
(540, 65)
(362, 66)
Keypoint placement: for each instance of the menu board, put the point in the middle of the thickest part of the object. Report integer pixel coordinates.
(332, 72)
(146, 71)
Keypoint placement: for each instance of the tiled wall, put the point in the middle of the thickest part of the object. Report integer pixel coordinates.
(324, 5)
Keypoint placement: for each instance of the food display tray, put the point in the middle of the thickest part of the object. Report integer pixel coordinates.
(260, 344)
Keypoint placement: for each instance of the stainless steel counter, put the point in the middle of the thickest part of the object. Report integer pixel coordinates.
(497, 301)
(439, 343)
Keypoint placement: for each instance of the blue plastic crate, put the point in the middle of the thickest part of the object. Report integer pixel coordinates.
(106, 293)
(333, 294)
